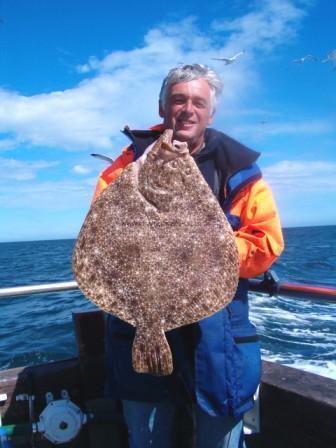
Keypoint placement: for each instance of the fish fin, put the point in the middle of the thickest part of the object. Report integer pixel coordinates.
(151, 353)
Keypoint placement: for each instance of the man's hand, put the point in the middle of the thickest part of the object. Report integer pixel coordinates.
(171, 152)
(166, 152)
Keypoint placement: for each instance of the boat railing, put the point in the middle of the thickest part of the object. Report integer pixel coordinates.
(15, 291)
(269, 284)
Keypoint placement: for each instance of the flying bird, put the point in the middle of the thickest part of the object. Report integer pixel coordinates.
(305, 58)
(331, 57)
(229, 60)
(102, 157)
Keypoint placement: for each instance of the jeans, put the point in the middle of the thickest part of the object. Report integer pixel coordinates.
(152, 425)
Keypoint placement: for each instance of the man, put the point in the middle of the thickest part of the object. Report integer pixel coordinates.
(217, 360)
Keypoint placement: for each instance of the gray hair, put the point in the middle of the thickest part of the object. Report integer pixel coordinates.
(189, 72)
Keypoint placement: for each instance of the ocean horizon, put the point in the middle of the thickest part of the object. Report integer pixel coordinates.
(61, 238)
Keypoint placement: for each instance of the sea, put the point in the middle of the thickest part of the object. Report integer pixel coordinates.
(300, 333)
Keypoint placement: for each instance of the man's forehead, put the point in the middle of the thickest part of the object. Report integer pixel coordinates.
(197, 86)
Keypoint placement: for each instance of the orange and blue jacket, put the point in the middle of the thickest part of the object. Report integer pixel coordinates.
(219, 356)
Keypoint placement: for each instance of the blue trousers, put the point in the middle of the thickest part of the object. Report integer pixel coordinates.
(151, 425)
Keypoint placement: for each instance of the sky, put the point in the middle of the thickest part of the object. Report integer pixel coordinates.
(73, 74)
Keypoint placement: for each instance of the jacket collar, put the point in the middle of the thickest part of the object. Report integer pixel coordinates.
(227, 152)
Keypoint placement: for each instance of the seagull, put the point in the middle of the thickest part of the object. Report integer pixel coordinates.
(102, 157)
(331, 57)
(229, 60)
(305, 58)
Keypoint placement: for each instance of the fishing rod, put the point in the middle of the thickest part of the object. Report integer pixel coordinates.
(269, 284)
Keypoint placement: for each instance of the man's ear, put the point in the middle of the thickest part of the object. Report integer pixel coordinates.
(161, 110)
(210, 119)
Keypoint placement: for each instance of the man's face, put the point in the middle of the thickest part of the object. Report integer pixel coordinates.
(188, 111)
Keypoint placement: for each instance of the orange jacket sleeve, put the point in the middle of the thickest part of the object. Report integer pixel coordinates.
(259, 238)
(111, 173)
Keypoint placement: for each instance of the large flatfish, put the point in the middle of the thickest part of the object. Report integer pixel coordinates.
(156, 251)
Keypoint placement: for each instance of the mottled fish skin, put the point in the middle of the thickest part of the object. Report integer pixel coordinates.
(156, 251)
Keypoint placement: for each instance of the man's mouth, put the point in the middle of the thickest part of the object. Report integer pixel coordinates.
(184, 124)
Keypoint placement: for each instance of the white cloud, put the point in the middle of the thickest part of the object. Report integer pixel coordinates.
(51, 195)
(11, 169)
(92, 64)
(125, 84)
(302, 177)
(8, 143)
(80, 169)
(274, 23)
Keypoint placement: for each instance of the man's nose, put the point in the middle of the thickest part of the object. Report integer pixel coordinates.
(188, 106)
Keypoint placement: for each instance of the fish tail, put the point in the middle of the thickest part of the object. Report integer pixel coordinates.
(151, 353)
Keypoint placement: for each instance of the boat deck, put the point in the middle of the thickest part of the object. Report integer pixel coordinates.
(298, 409)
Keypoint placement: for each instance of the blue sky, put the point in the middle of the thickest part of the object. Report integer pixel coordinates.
(72, 74)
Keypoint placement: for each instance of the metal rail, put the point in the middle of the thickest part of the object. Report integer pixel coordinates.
(298, 291)
(37, 289)
(270, 285)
